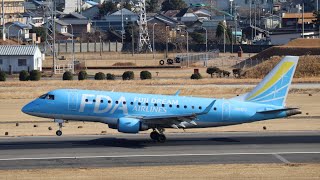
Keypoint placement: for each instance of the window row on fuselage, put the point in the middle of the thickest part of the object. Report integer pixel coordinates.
(147, 104)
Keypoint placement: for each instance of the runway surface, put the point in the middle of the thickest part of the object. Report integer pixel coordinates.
(139, 150)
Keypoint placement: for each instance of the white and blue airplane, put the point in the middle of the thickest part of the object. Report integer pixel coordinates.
(132, 113)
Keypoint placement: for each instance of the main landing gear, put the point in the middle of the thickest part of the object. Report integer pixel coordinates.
(60, 122)
(157, 135)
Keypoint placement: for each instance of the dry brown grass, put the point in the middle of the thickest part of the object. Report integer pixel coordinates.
(303, 43)
(219, 171)
(308, 66)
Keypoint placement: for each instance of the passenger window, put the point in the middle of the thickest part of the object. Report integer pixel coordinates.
(185, 106)
(43, 96)
(94, 100)
(86, 100)
(215, 108)
(117, 102)
(156, 105)
(162, 105)
(146, 104)
(192, 107)
(170, 105)
(124, 102)
(200, 107)
(139, 103)
(109, 101)
(131, 103)
(178, 106)
(101, 101)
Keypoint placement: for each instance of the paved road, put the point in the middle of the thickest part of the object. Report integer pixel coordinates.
(138, 150)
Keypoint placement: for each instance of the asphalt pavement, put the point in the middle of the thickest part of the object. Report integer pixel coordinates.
(139, 150)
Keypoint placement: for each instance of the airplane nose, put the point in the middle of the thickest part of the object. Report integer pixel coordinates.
(27, 108)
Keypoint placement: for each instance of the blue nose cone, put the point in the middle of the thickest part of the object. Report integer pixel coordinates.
(27, 108)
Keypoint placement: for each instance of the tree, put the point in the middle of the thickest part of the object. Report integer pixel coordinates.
(152, 6)
(212, 70)
(220, 31)
(40, 31)
(173, 5)
(107, 7)
(127, 5)
(198, 37)
(317, 21)
(67, 76)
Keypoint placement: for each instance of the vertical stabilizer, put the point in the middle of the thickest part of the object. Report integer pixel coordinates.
(273, 89)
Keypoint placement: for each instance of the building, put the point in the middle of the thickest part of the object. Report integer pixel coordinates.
(15, 58)
(13, 11)
(294, 20)
(18, 31)
(78, 24)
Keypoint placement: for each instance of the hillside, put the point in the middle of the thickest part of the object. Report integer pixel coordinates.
(308, 66)
(297, 47)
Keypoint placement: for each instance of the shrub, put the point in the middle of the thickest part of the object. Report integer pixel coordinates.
(212, 70)
(82, 75)
(128, 75)
(99, 76)
(67, 76)
(24, 75)
(196, 76)
(111, 76)
(3, 76)
(145, 75)
(35, 75)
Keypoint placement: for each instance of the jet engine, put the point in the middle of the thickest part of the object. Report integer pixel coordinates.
(130, 125)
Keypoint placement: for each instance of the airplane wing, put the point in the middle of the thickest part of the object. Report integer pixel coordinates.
(175, 120)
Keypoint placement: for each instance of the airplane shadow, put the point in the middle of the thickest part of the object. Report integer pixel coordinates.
(141, 143)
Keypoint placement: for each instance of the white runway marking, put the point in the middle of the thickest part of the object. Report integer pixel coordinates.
(284, 160)
(276, 154)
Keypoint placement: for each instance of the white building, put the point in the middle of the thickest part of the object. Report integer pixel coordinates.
(15, 58)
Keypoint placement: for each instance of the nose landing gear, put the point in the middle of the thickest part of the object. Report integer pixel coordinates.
(157, 135)
(60, 122)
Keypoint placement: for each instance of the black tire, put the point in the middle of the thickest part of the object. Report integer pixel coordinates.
(161, 62)
(154, 135)
(58, 133)
(177, 60)
(170, 61)
(162, 138)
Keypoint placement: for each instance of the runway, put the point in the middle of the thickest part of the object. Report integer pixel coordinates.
(138, 150)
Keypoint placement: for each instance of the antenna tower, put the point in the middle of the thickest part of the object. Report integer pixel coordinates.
(49, 17)
(144, 39)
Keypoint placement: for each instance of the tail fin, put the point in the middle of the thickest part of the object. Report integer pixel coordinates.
(273, 89)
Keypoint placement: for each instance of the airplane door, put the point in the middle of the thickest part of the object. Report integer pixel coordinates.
(72, 101)
(225, 110)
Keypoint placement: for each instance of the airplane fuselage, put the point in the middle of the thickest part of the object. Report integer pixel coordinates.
(108, 107)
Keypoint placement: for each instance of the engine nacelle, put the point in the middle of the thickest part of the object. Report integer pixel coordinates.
(131, 125)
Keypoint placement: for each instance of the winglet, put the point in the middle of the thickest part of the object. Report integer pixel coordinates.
(206, 111)
(177, 93)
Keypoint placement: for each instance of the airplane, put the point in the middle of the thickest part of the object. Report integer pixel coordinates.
(133, 112)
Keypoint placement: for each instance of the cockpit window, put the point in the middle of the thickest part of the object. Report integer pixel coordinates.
(43, 96)
(51, 97)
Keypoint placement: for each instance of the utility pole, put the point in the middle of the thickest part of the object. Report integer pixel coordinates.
(303, 20)
(3, 25)
(251, 19)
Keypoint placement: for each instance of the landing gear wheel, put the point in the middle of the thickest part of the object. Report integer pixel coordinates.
(162, 138)
(161, 62)
(58, 133)
(154, 135)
